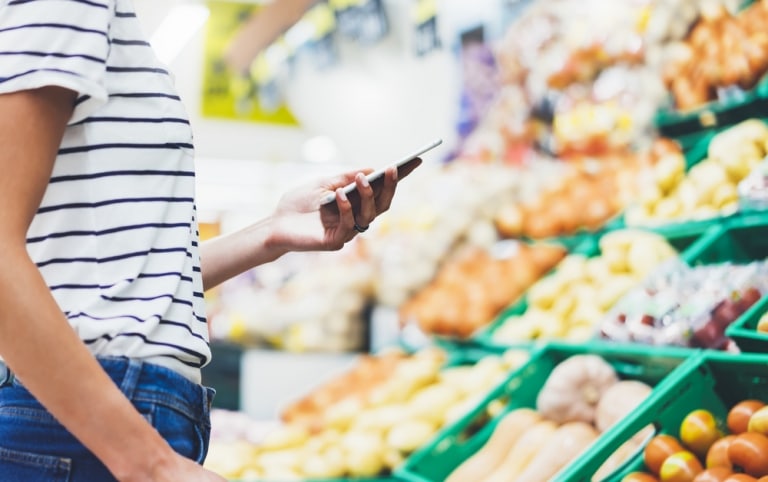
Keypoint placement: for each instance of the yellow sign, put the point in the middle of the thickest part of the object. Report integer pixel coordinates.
(225, 95)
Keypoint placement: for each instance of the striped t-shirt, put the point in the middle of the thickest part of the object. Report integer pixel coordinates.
(115, 236)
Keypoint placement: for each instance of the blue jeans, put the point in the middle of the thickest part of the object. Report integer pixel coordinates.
(35, 447)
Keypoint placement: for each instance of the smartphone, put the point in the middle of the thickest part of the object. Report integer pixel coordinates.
(372, 177)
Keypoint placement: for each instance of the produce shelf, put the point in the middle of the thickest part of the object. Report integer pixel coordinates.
(713, 381)
(458, 441)
(694, 151)
(739, 241)
(689, 128)
(457, 357)
(682, 239)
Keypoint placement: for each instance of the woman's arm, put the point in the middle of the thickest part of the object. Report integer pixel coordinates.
(36, 340)
(300, 223)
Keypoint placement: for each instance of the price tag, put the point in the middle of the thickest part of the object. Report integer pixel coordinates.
(361, 20)
(426, 38)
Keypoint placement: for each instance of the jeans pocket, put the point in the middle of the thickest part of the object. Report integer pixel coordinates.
(203, 432)
(186, 435)
(17, 466)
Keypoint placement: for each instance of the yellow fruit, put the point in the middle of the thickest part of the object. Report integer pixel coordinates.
(737, 166)
(410, 435)
(638, 216)
(724, 194)
(699, 430)
(642, 257)
(563, 306)
(544, 292)
(707, 175)
(668, 208)
(680, 467)
(650, 196)
(667, 171)
(616, 259)
(758, 421)
(572, 268)
(687, 196)
(762, 323)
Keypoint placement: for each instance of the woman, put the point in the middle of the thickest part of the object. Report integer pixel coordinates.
(102, 328)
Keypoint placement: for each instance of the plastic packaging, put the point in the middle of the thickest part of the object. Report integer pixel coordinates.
(753, 190)
(686, 306)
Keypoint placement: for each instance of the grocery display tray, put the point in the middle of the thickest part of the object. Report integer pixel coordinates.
(688, 128)
(713, 381)
(458, 441)
(682, 239)
(695, 151)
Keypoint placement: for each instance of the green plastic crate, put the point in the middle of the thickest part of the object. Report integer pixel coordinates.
(458, 441)
(741, 239)
(682, 239)
(688, 128)
(744, 330)
(713, 381)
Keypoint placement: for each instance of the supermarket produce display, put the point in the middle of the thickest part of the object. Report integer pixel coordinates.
(589, 272)
(701, 405)
(583, 390)
(710, 187)
(472, 288)
(724, 50)
(367, 421)
(584, 286)
(584, 198)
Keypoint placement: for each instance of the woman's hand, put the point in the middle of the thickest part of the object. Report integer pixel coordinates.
(301, 223)
(179, 469)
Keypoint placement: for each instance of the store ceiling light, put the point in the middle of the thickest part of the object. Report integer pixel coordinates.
(177, 28)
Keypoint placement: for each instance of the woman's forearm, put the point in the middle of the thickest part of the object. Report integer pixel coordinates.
(227, 256)
(46, 355)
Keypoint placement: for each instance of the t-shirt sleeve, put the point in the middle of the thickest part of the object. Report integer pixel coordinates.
(56, 42)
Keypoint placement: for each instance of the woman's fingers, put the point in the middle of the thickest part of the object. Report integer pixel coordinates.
(346, 215)
(387, 192)
(370, 199)
(367, 209)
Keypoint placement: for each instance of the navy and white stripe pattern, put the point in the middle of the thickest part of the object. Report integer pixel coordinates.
(115, 236)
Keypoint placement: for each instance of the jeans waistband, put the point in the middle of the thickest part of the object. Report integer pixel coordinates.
(141, 381)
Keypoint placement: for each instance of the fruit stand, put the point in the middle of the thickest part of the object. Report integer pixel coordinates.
(599, 316)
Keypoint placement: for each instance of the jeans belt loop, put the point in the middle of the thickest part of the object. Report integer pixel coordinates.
(6, 375)
(131, 378)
